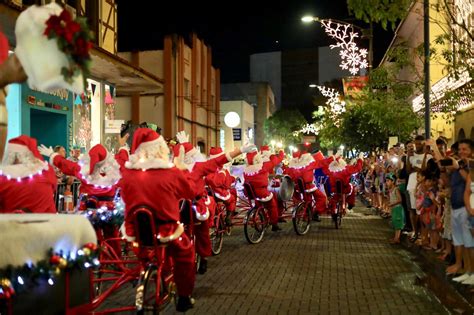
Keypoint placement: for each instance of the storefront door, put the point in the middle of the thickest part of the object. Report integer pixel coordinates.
(49, 128)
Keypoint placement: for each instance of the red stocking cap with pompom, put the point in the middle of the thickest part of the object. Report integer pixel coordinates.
(296, 154)
(144, 137)
(96, 154)
(187, 147)
(250, 156)
(215, 151)
(264, 148)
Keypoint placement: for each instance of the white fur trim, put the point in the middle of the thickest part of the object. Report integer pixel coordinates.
(215, 155)
(202, 217)
(225, 198)
(335, 167)
(229, 158)
(124, 234)
(126, 148)
(177, 233)
(52, 156)
(208, 201)
(148, 164)
(310, 190)
(109, 166)
(253, 169)
(265, 199)
(16, 171)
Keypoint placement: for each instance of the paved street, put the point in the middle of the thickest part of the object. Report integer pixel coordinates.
(348, 271)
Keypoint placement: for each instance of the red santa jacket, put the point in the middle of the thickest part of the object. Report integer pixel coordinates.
(34, 194)
(159, 189)
(74, 169)
(345, 175)
(307, 174)
(220, 182)
(259, 179)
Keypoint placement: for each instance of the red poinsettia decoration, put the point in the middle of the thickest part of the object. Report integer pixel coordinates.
(74, 39)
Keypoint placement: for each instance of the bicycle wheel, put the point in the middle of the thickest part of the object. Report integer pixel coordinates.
(254, 225)
(217, 234)
(149, 292)
(302, 218)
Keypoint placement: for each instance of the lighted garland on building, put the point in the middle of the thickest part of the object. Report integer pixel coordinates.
(353, 58)
(17, 279)
(308, 129)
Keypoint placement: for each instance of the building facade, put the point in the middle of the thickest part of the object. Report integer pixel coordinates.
(290, 73)
(257, 94)
(190, 98)
(236, 135)
(410, 34)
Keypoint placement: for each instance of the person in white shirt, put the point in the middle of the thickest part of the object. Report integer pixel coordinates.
(416, 162)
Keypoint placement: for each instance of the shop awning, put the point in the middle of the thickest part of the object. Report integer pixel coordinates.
(127, 78)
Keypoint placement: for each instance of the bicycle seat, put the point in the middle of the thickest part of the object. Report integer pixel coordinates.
(144, 226)
(339, 187)
(185, 212)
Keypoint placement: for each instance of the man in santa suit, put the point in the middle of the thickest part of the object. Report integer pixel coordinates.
(221, 184)
(265, 152)
(27, 182)
(256, 173)
(197, 169)
(307, 163)
(150, 179)
(98, 172)
(338, 170)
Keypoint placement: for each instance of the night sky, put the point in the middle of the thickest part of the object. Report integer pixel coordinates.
(234, 29)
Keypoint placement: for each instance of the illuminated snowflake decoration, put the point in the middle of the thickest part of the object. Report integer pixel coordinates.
(308, 129)
(336, 106)
(353, 58)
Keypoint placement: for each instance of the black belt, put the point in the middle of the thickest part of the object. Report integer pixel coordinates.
(101, 198)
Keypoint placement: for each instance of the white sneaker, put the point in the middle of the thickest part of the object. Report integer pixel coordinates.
(469, 281)
(463, 277)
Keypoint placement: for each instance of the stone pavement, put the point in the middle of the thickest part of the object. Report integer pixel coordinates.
(352, 270)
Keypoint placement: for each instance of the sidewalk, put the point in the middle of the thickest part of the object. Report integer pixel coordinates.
(457, 297)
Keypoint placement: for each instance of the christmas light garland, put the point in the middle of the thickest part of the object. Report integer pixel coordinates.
(336, 106)
(17, 279)
(103, 217)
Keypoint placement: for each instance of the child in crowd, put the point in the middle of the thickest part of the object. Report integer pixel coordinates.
(429, 212)
(395, 203)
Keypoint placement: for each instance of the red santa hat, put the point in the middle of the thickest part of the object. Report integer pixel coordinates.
(250, 157)
(215, 152)
(97, 154)
(264, 148)
(144, 138)
(296, 154)
(318, 156)
(24, 144)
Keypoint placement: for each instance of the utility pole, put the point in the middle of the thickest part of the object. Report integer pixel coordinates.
(426, 35)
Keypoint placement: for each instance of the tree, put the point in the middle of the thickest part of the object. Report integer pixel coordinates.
(452, 49)
(282, 124)
(379, 111)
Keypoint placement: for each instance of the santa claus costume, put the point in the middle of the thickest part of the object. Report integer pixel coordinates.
(149, 179)
(256, 173)
(27, 182)
(220, 183)
(204, 205)
(98, 172)
(338, 170)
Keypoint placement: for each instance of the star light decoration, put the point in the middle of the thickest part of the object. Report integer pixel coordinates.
(353, 58)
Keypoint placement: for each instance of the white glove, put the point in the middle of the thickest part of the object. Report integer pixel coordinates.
(361, 156)
(248, 148)
(182, 137)
(179, 160)
(44, 150)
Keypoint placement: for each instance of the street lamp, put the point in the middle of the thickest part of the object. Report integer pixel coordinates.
(350, 50)
(312, 86)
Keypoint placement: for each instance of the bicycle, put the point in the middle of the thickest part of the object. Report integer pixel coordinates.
(302, 213)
